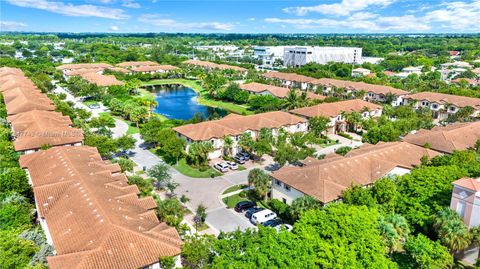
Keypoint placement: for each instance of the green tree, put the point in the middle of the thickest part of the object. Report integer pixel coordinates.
(246, 142)
(394, 230)
(170, 210)
(125, 142)
(303, 204)
(318, 125)
(198, 153)
(161, 175)
(427, 254)
(125, 164)
(143, 184)
(197, 251)
(15, 252)
(261, 181)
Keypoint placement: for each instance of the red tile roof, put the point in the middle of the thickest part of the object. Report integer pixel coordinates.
(326, 179)
(441, 98)
(334, 109)
(280, 92)
(236, 125)
(150, 68)
(472, 184)
(214, 65)
(95, 218)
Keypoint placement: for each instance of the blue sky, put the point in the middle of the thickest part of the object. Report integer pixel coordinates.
(241, 16)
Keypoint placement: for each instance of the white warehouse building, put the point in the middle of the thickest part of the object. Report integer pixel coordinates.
(268, 55)
(302, 55)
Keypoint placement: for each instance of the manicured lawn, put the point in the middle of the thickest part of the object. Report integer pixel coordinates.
(203, 98)
(234, 188)
(187, 170)
(131, 128)
(231, 201)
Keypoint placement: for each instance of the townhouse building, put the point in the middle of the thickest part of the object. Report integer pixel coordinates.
(326, 179)
(279, 92)
(234, 126)
(442, 105)
(336, 113)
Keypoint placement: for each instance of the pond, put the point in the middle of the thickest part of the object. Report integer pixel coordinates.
(180, 102)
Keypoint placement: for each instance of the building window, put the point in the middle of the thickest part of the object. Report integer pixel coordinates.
(287, 187)
(461, 208)
(452, 108)
(277, 182)
(434, 106)
(284, 200)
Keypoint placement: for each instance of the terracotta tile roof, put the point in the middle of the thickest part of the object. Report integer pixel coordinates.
(389, 73)
(138, 63)
(15, 83)
(214, 65)
(459, 136)
(20, 100)
(83, 66)
(359, 86)
(94, 217)
(236, 125)
(441, 98)
(154, 68)
(289, 76)
(336, 108)
(326, 179)
(118, 69)
(34, 129)
(280, 92)
(468, 183)
(468, 80)
(81, 71)
(101, 80)
(476, 71)
(10, 70)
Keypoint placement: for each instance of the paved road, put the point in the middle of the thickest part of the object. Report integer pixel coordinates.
(120, 128)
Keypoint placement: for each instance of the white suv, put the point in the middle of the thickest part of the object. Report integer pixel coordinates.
(222, 167)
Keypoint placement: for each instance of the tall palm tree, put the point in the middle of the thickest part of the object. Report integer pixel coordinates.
(227, 145)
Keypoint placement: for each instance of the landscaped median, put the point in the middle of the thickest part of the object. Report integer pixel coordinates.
(203, 95)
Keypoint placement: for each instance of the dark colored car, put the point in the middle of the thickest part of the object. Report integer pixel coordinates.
(272, 223)
(252, 211)
(244, 205)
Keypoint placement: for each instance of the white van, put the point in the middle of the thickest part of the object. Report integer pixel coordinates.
(263, 216)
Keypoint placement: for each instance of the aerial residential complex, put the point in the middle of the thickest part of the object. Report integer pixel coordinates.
(185, 150)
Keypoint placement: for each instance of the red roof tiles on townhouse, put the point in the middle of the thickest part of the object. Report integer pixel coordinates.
(101, 80)
(326, 179)
(236, 125)
(214, 65)
(150, 68)
(280, 92)
(458, 136)
(83, 66)
(36, 128)
(336, 108)
(136, 63)
(95, 218)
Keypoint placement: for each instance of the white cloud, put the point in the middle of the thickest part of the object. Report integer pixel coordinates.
(158, 20)
(251, 19)
(114, 28)
(402, 23)
(11, 25)
(456, 15)
(344, 8)
(69, 9)
(130, 4)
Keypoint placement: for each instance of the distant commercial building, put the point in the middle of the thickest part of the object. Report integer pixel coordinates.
(302, 55)
(269, 55)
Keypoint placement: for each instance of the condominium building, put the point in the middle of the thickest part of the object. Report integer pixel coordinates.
(269, 55)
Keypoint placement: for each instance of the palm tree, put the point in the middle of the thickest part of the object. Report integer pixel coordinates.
(261, 181)
(302, 204)
(227, 145)
(394, 229)
(291, 102)
(354, 119)
(451, 230)
(198, 152)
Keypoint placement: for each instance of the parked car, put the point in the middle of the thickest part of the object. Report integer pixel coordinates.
(272, 223)
(222, 167)
(252, 211)
(245, 155)
(232, 165)
(239, 159)
(244, 205)
(285, 226)
(263, 216)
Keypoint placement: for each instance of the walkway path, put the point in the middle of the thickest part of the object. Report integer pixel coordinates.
(343, 142)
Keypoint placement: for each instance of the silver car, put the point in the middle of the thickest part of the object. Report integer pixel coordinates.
(222, 167)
